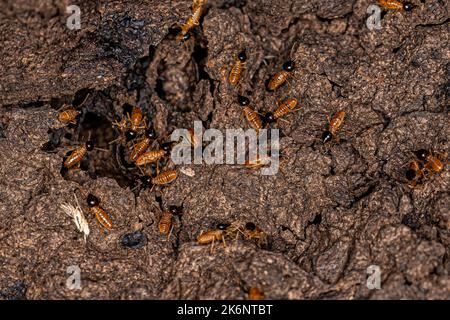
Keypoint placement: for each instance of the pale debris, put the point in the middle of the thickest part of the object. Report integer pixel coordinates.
(78, 218)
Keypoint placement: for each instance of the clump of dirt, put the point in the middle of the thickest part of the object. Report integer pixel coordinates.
(330, 213)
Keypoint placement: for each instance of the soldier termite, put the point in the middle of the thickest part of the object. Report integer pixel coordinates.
(192, 21)
(77, 155)
(137, 121)
(211, 236)
(251, 115)
(395, 5)
(99, 213)
(237, 68)
(281, 77)
(334, 125)
(140, 147)
(283, 109)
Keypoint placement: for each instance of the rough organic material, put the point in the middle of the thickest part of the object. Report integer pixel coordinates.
(330, 213)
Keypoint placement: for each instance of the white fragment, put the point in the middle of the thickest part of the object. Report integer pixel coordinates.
(188, 172)
(78, 218)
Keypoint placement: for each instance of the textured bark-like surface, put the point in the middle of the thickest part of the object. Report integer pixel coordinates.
(329, 214)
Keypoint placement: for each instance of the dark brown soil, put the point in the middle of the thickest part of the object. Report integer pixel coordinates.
(328, 215)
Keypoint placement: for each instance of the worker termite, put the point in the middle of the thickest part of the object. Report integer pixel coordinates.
(68, 116)
(334, 125)
(100, 214)
(193, 139)
(139, 148)
(255, 294)
(251, 231)
(237, 68)
(251, 115)
(258, 162)
(395, 5)
(165, 177)
(283, 109)
(165, 225)
(192, 21)
(433, 163)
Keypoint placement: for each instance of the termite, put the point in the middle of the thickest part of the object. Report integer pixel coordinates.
(432, 163)
(237, 68)
(395, 5)
(211, 236)
(283, 109)
(281, 77)
(258, 162)
(100, 214)
(165, 177)
(136, 120)
(68, 116)
(140, 147)
(251, 115)
(193, 139)
(153, 156)
(251, 231)
(78, 154)
(255, 294)
(165, 223)
(334, 126)
(192, 21)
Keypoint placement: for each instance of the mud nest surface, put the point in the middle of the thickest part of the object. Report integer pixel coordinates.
(328, 216)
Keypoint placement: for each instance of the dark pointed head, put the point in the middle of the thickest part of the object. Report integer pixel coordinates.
(242, 56)
(243, 101)
(408, 6)
(410, 174)
(289, 66)
(250, 226)
(269, 117)
(130, 135)
(422, 154)
(150, 133)
(176, 210)
(89, 145)
(185, 37)
(327, 136)
(147, 181)
(166, 146)
(92, 200)
(223, 226)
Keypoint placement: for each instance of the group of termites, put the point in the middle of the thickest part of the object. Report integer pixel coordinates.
(151, 156)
